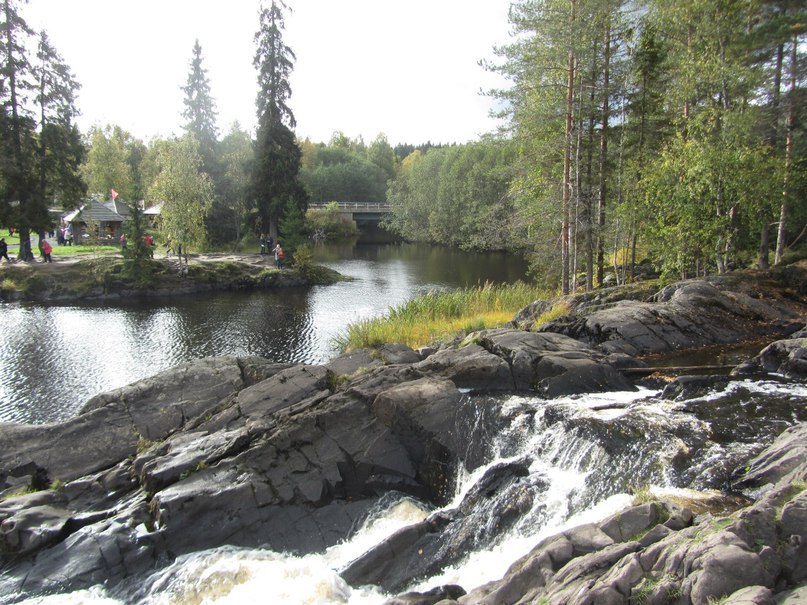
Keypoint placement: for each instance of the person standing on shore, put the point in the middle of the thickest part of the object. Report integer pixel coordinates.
(46, 249)
(4, 250)
(279, 256)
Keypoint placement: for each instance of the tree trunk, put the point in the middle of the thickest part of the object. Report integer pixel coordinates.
(791, 121)
(567, 162)
(603, 152)
(25, 253)
(763, 258)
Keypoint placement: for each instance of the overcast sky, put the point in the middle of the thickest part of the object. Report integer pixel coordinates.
(406, 69)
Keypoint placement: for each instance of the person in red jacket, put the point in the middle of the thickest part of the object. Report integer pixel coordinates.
(46, 250)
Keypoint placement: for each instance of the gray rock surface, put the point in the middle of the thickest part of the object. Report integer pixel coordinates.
(243, 451)
(685, 315)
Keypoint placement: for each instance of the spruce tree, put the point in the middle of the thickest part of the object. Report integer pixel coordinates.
(40, 149)
(200, 115)
(200, 111)
(277, 156)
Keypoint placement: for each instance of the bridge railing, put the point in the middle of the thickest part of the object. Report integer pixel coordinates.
(378, 206)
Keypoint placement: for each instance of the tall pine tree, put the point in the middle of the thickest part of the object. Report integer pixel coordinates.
(277, 156)
(40, 150)
(200, 111)
(200, 122)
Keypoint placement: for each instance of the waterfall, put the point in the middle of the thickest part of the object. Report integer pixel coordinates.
(568, 461)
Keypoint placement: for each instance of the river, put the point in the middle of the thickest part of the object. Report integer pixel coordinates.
(55, 357)
(585, 455)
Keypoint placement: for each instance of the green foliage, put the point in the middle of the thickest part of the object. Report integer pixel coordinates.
(200, 110)
(40, 149)
(345, 174)
(303, 264)
(274, 177)
(108, 165)
(328, 223)
(226, 219)
(457, 196)
(292, 228)
(675, 124)
(137, 252)
(185, 193)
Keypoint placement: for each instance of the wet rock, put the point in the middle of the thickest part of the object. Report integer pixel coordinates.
(440, 594)
(292, 458)
(785, 458)
(785, 357)
(496, 503)
(552, 364)
(744, 558)
(692, 387)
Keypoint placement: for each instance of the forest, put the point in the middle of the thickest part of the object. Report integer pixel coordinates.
(664, 130)
(669, 132)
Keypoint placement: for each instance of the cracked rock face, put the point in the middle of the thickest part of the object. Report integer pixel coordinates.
(246, 452)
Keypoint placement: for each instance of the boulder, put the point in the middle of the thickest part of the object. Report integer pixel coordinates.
(498, 501)
(552, 364)
(785, 357)
(113, 425)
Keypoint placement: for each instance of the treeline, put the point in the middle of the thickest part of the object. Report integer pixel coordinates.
(209, 188)
(669, 129)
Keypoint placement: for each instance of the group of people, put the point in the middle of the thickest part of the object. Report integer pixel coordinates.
(44, 248)
(266, 248)
(64, 235)
(148, 240)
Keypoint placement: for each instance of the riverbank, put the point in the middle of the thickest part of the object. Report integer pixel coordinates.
(294, 457)
(106, 277)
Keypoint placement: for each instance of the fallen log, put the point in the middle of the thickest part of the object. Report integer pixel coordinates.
(678, 370)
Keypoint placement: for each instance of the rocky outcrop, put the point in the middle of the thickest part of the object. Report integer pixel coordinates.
(246, 452)
(685, 315)
(784, 357)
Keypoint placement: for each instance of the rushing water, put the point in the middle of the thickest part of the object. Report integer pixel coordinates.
(53, 358)
(584, 453)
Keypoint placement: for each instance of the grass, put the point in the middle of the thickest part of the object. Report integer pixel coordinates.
(61, 251)
(440, 316)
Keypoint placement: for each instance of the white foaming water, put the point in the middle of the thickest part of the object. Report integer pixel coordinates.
(234, 576)
(559, 462)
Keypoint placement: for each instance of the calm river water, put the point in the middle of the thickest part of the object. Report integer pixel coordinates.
(53, 358)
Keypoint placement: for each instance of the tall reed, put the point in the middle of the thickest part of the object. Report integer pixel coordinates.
(438, 316)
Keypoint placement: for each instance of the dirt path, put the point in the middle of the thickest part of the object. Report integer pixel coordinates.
(250, 259)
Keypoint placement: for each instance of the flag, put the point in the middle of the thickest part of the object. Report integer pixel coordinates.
(114, 194)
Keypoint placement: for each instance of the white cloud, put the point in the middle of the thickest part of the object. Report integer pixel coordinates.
(407, 69)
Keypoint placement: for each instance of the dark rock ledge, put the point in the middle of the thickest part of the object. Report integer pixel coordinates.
(244, 451)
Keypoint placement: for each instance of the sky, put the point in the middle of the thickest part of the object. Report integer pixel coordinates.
(407, 69)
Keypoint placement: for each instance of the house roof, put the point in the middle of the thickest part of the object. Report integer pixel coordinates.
(95, 211)
(118, 207)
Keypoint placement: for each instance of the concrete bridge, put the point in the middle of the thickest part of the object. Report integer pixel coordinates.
(358, 211)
